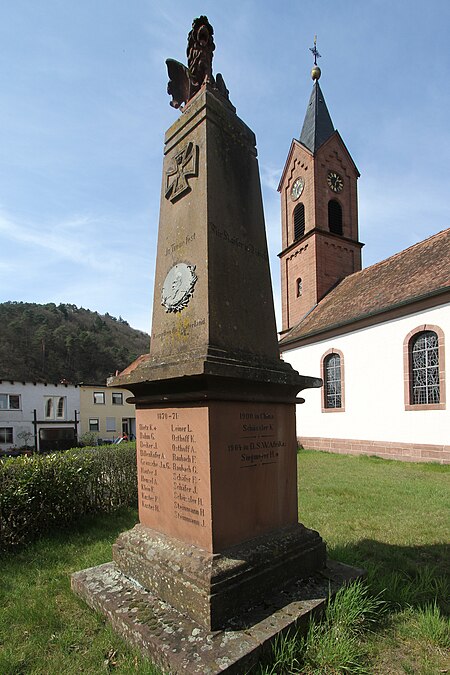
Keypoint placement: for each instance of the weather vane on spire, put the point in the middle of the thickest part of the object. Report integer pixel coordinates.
(315, 72)
(314, 51)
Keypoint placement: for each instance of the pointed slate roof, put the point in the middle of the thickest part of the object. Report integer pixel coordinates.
(317, 127)
(417, 273)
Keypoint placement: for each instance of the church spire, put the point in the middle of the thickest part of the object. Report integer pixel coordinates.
(317, 126)
(319, 211)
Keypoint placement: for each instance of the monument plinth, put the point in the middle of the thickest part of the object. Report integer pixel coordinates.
(215, 404)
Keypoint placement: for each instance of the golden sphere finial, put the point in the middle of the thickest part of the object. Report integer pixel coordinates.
(316, 72)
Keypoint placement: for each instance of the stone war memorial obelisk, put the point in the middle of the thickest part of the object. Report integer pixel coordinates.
(218, 565)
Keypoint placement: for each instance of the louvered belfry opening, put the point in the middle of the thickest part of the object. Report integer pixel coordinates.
(334, 216)
(299, 221)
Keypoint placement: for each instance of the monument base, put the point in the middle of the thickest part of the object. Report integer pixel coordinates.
(177, 644)
(214, 588)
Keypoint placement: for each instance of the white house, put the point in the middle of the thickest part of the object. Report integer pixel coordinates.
(38, 414)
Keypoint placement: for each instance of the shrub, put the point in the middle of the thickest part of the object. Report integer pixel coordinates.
(41, 492)
(88, 438)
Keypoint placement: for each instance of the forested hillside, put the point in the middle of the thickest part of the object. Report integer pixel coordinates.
(63, 342)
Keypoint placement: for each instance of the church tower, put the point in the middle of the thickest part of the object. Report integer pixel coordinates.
(319, 211)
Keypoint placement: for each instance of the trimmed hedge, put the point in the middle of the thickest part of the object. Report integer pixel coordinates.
(41, 492)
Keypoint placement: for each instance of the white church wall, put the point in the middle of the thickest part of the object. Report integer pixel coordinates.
(374, 386)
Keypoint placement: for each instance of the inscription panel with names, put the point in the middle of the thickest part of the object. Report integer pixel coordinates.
(173, 472)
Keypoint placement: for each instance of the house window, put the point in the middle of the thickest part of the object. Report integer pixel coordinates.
(61, 409)
(49, 408)
(9, 402)
(333, 381)
(55, 406)
(99, 397)
(110, 424)
(117, 398)
(334, 216)
(424, 369)
(93, 424)
(299, 221)
(6, 434)
(299, 288)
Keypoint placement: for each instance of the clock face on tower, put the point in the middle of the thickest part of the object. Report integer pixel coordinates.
(297, 188)
(335, 181)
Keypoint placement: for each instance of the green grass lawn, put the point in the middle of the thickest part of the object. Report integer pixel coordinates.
(391, 518)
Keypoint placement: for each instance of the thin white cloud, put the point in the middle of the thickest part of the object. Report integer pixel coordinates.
(72, 239)
(7, 268)
(270, 176)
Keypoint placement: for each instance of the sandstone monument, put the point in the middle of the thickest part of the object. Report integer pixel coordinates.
(213, 570)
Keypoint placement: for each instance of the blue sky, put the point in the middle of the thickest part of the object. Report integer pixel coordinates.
(84, 108)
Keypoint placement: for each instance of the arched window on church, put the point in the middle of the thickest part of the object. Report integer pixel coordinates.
(334, 216)
(424, 355)
(423, 362)
(299, 221)
(333, 381)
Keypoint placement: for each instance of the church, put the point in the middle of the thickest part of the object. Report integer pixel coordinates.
(376, 336)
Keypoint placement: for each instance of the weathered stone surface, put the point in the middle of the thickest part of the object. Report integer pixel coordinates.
(218, 473)
(223, 324)
(180, 645)
(215, 588)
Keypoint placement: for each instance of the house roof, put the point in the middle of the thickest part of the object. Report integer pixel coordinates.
(420, 271)
(317, 126)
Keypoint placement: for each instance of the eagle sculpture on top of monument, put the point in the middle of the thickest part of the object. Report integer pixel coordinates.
(185, 82)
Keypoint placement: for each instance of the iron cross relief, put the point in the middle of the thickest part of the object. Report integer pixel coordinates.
(184, 166)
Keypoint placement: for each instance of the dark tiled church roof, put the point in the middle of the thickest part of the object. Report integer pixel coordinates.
(418, 272)
(317, 126)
